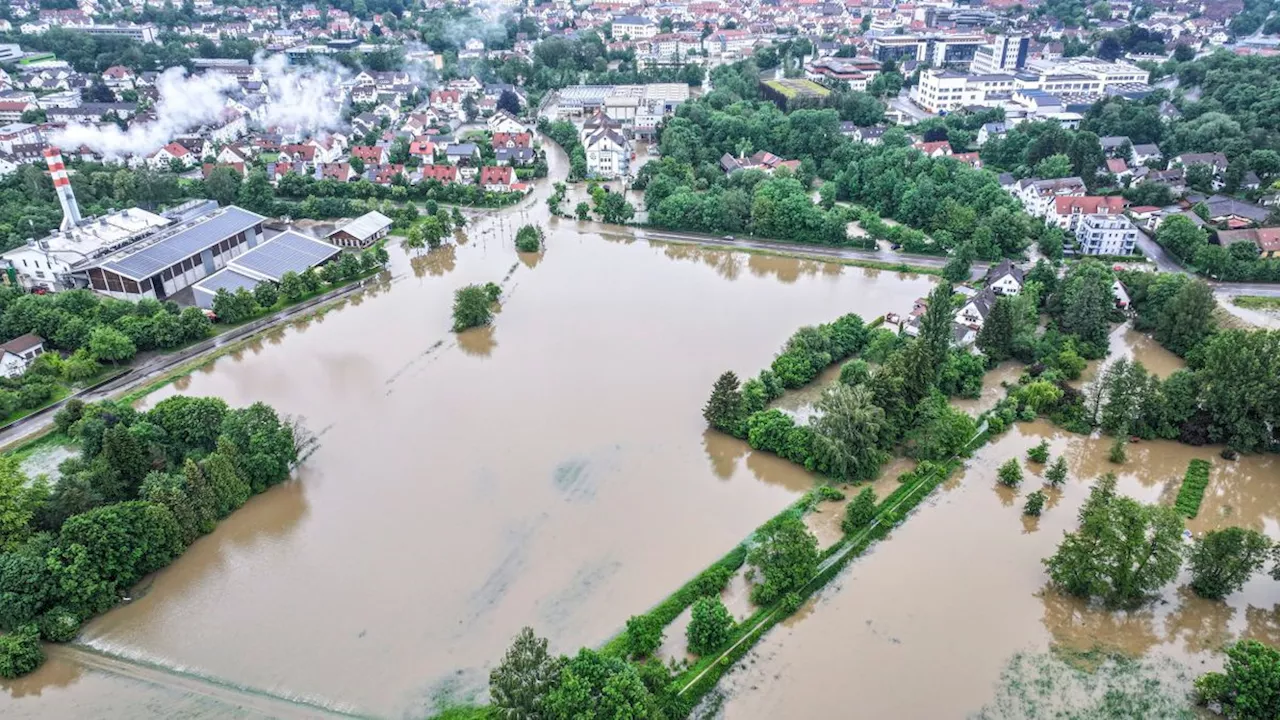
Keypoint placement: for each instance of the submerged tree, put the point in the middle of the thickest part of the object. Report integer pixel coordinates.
(723, 408)
(1248, 688)
(1057, 472)
(1222, 561)
(1010, 473)
(471, 307)
(847, 432)
(1035, 503)
(519, 686)
(1123, 551)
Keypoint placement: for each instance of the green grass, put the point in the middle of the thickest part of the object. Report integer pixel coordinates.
(1256, 302)
(60, 391)
(1191, 494)
(27, 447)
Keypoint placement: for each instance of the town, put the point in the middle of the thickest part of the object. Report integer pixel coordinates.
(343, 334)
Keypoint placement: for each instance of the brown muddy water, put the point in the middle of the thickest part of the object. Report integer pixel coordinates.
(923, 626)
(552, 470)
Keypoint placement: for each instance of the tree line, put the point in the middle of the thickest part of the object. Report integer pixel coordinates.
(144, 486)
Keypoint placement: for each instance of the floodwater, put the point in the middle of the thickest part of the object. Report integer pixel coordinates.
(1125, 342)
(959, 589)
(551, 470)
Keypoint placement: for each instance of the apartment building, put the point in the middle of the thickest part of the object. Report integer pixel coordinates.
(1106, 235)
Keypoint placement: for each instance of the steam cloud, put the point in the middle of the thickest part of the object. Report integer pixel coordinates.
(306, 99)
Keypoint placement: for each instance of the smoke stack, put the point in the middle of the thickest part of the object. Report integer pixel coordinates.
(62, 186)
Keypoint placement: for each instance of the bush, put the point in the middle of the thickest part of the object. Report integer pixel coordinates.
(1035, 503)
(471, 307)
(859, 513)
(20, 652)
(1039, 453)
(1010, 473)
(529, 238)
(59, 625)
(644, 636)
(1117, 453)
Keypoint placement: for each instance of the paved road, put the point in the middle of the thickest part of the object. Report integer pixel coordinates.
(1165, 262)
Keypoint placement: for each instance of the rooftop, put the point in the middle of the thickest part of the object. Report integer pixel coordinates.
(145, 258)
(289, 251)
(366, 225)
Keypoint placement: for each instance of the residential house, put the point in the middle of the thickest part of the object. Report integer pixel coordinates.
(1005, 278)
(207, 168)
(1236, 213)
(449, 101)
(512, 140)
(1068, 209)
(1144, 152)
(1267, 240)
(462, 153)
(496, 178)
(336, 171)
(764, 161)
(167, 156)
(18, 353)
(370, 154)
(975, 310)
(504, 122)
(444, 174)
(940, 148)
(1215, 161)
(1037, 196)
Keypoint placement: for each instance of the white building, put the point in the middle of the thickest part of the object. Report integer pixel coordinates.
(49, 263)
(634, 27)
(608, 154)
(1007, 54)
(1106, 235)
(18, 353)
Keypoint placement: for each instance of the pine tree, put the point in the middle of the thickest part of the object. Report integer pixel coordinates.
(996, 337)
(1035, 504)
(128, 462)
(519, 685)
(722, 408)
(228, 487)
(203, 499)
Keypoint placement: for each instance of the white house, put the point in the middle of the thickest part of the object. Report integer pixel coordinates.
(504, 122)
(608, 154)
(976, 309)
(1106, 235)
(1005, 278)
(16, 354)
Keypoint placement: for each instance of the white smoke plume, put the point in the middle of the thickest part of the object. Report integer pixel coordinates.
(307, 99)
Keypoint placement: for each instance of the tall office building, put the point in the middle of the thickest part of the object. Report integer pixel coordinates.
(1007, 54)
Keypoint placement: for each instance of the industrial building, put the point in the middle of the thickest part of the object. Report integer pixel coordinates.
(285, 252)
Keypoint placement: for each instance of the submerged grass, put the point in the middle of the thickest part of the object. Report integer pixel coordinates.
(1090, 685)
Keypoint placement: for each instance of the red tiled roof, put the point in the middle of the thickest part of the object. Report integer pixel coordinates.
(1088, 204)
(495, 175)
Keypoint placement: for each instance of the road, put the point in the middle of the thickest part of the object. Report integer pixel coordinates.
(1166, 263)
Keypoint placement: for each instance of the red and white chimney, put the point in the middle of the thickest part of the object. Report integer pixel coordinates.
(62, 186)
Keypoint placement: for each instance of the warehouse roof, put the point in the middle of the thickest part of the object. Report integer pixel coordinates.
(226, 279)
(368, 224)
(150, 256)
(286, 252)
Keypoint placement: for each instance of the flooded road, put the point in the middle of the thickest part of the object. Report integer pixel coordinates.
(957, 591)
(551, 470)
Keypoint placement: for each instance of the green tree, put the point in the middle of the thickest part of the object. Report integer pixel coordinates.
(19, 500)
(592, 685)
(1187, 319)
(710, 626)
(644, 636)
(291, 287)
(1181, 237)
(1035, 504)
(847, 431)
(223, 185)
(583, 211)
(529, 238)
(1039, 453)
(1123, 551)
(471, 308)
(20, 652)
(1239, 378)
(166, 489)
(1222, 561)
(264, 446)
(959, 265)
(723, 408)
(519, 685)
(230, 491)
(459, 221)
(1248, 688)
(266, 294)
(614, 208)
(107, 343)
(785, 555)
(1086, 303)
(1054, 166)
(995, 339)
(859, 513)
(1010, 473)
(127, 463)
(1057, 472)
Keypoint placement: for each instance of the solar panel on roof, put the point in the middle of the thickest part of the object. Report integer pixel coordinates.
(151, 259)
(286, 252)
(226, 279)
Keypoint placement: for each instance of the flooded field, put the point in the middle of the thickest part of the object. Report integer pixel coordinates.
(958, 594)
(552, 470)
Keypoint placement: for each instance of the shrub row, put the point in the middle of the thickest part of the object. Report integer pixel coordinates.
(1191, 494)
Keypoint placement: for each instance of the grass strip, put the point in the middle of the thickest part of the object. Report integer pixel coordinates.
(1256, 302)
(1191, 494)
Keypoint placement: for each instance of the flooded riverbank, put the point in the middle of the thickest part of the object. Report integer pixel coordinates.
(551, 470)
(956, 593)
